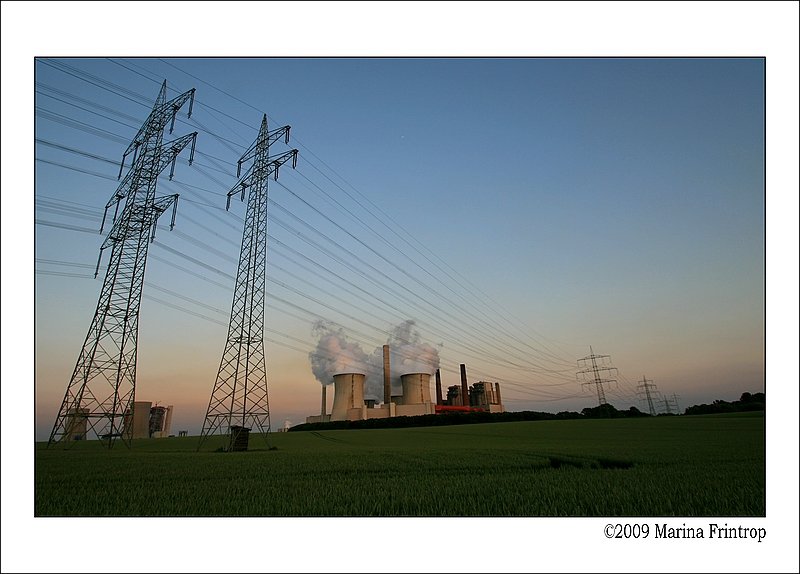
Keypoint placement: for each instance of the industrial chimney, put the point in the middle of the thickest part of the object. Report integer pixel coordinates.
(464, 390)
(439, 400)
(387, 377)
(324, 410)
(348, 397)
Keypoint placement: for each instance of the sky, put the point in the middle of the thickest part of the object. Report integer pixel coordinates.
(518, 209)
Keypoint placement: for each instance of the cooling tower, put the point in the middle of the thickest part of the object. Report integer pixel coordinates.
(348, 395)
(416, 388)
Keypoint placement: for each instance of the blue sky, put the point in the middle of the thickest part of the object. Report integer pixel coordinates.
(542, 205)
(620, 208)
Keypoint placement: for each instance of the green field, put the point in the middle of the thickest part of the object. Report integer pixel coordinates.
(710, 465)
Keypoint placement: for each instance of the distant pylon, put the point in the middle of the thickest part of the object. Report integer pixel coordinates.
(102, 390)
(647, 386)
(671, 404)
(591, 367)
(675, 403)
(240, 397)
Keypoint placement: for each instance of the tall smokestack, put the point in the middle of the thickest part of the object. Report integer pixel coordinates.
(439, 400)
(497, 395)
(387, 377)
(464, 390)
(324, 410)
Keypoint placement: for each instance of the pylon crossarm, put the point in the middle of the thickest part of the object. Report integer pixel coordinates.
(160, 205)
(169, 152)
(134, 218)
(271, 138)
(162, 113)
(271, 168)
(124, 187)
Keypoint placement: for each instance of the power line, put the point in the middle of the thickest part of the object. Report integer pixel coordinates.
(387, 279)
(287, 211)
(484, 298)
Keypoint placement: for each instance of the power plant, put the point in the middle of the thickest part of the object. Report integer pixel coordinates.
(349, 403)
(142, 421)
(149, 421)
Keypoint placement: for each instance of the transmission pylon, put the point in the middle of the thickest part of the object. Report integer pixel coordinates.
(591, 373)
(239, 399)
(674, 402)
(101, 392)
(647, 386)
(671, 404)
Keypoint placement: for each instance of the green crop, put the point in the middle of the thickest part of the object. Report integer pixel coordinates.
(665, 466)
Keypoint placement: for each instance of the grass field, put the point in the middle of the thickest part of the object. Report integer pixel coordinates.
(710, 465)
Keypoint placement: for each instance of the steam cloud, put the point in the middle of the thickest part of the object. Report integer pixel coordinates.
(335, 354)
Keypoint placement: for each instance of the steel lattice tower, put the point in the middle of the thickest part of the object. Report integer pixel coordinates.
(648, 385)
(239, 396)
(674, 402)
(102, 390)
(592, 368)
(671, 404)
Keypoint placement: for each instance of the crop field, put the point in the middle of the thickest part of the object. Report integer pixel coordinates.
(711, 465)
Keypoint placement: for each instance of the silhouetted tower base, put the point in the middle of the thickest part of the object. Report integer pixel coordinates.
(240, 400)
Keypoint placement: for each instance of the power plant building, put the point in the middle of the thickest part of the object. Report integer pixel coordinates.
(149, 421)
(160, 421)
(77, 424)
(415, 400)
(139, 419)
(486, 396)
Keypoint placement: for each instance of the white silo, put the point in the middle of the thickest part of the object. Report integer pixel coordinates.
(416, 388)
(348, 396)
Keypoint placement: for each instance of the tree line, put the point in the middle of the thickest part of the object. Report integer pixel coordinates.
(747, 402)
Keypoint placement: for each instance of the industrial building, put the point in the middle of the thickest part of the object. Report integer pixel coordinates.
(160, 421)
(149, 421)
(349, 403)
(77, 424)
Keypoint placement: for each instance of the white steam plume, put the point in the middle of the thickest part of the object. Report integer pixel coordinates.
(408, 354)
(335, 354)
